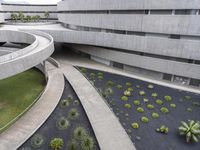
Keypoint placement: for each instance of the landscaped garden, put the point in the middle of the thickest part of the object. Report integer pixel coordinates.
(17, 93)
(155, 117)
(67, 128)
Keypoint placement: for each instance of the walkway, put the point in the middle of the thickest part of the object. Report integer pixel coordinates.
(108, 130)
(22, 129)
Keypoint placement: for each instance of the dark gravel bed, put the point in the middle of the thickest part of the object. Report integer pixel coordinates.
(146, 137)
(50, 129)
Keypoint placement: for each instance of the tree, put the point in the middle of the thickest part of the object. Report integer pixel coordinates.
(21, 16)
(46, 15)
(37, 17)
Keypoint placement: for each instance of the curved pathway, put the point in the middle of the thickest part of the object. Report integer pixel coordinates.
(22, 129)
(108, 130)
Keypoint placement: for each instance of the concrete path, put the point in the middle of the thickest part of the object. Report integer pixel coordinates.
(22, 129)
(108, 130)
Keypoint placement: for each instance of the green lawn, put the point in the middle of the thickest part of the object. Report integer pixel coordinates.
(18, 92)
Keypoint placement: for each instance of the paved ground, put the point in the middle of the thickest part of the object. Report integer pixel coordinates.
(107, 128)
(22, 129)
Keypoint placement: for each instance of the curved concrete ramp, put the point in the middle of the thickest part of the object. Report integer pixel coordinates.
(109, 132)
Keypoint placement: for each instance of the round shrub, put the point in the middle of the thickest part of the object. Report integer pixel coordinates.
(110, 83)
(73, 113)
(64, 103)
(136, 102)
(135, 125)
(127, 105)
(159, 102)
(124, 98)
(164, 110)
(92, 76)
(144, 119)
(187, 97)
(140, 110)
(130, 89)
(189, 109)
(128, 84)
(76, 102)
(87, 143)
(137, 86)
(79, 133)
(107, 92)
(119, 86)
(173, 105)
(56, 143)
(154, 95)
(168, 98)
(163, 129)
(150, 86)
(141, 93)
(146, 100)
(62, 123)
(100, 77)
(150, 106)
(127, 93)
(37, 140)
(69, 98)
(72, 145)
(155, 115)
(100, 73)
(83, 70)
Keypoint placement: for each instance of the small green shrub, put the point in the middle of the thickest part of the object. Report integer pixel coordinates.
(173, 105)
(155, 115)
(163, 129)
(72, 145)
(64, 103)
(191, 130)
(110, 83)
(142, 93)
(164, 110)
(87, 143)
(154, 95)
(56, 143)
(140, 110)
(79, 133)
(196, 104)
(100, 77)
(136, 102)
(83, 70)
(159, 102)
(150, 106)
(37, 140)
(100, 74)
(127, 105)
(146, 100)
(127, 93)
(62, 123)
(144, 119)
(187, 97)
(92, 76)
(119, 86)
(135, 125)
(189, 109)
(70, 98)
(73, 114)
(137, 86)
(150, 86)
(107, 92)
(76, 102)
(124, 98)
(168, 98)
(130, 89)
(128, 84)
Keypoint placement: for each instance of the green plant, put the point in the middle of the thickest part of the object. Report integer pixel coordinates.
(141, 93)
(119, 86)
(37, 140)
(136, 102)
(76, 102)
(164, 110)
(196, 104)
(189, 109)
(163, 129)
(79, 133)
(155, 115)
(64, 103)
(144, 119)
(92, 76)
(72, 145)
(46, 14)
(124, 98)
(140, 110)
(150, 86)
(173, 105)
(73, 113)
(110, 83)
(191, 130)
(83, 70)
(56, 143)
(159, 102)
(146, 100)
(135, 125)
(128, 84)
(107, 92)
(100, 77)
(62, 123)
(168, 98)
(137, 86)
(154, 95)
(87, 143)
(187, 97)
(70, 98)
(130, 89)
(127, 93)
(127, 105)
(150, 106)
(100, 73)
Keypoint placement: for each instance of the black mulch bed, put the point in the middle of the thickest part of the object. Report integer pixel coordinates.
(50, 130)
(145, 137)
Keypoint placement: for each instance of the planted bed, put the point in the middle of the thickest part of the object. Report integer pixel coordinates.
(151, 114)
(67, 127)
